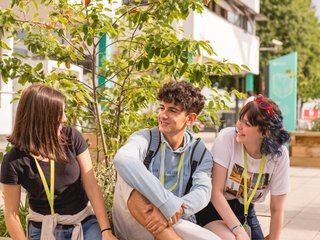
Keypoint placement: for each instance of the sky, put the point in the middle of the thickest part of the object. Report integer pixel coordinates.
(316, 3)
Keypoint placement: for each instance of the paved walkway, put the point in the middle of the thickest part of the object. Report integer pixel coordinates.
(302, 219)
(302, 214)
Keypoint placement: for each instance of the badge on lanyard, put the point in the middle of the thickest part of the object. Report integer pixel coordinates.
(247, 228)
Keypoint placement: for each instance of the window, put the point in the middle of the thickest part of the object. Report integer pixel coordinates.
(235, 15)
(127, 2)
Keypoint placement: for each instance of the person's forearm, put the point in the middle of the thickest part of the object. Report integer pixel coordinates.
(14, 228)
(196, 200)
(96, 199)
(277, 203)
(98, 206)
(223, 208)
(276, 225)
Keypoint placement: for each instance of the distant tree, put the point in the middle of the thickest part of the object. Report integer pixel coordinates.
(293, 22)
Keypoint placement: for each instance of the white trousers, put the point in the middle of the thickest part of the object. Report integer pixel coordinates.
(127, 228)
(190, 231)
(185, 229)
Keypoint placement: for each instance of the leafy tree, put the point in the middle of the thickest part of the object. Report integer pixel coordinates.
(296, 25)
(145, 53)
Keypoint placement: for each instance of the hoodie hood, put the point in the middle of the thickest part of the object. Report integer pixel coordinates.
(188, 140)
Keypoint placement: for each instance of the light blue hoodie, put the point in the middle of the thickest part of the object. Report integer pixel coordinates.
(129, 164)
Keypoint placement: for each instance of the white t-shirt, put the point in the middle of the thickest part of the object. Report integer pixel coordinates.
(228, 153)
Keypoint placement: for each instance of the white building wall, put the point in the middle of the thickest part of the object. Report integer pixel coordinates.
(227, 40)
(6, 111)
(253, 4)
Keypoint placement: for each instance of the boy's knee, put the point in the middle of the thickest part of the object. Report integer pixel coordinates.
(138, 205)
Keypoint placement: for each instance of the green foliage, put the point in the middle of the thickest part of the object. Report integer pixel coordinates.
(106, 178)
(296, 25)
(23, 212)
(8, 147)
(146, 52)
(3, 229)
(315, 125)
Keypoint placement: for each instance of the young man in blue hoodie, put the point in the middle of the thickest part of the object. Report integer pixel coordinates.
(151, 202)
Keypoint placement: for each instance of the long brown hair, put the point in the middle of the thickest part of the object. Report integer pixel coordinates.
(38, 117)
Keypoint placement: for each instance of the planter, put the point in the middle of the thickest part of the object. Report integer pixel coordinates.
(305, 149)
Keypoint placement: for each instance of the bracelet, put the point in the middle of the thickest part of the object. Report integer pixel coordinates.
(234, 227)
(106, 229)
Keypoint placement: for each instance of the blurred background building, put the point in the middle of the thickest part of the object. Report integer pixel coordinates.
(230, 26)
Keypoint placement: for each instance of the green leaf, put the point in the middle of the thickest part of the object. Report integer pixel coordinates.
(157, 51)
(4, 45)
(151, 53)
(80, 97)
(90, 41)
(146, 63)
(183, 69)
(139, 65)
(38, 67)
(210, 105)
(245, 67)
(164, 53)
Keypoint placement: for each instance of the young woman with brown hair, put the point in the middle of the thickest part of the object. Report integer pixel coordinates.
(53, 164)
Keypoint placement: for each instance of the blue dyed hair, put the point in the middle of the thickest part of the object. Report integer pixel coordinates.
(271, 127)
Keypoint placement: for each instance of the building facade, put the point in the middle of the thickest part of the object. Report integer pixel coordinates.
(229, 25)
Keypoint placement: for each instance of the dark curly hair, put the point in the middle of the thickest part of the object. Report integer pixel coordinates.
(184, 94)
(271, 126)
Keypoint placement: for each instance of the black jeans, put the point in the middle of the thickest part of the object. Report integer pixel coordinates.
(209, 214)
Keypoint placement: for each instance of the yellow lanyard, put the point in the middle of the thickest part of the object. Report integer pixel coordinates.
(162, 157)
(50, 194)
(245, 192)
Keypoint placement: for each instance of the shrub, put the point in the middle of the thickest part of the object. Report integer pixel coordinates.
(315, 125)
(23, 212)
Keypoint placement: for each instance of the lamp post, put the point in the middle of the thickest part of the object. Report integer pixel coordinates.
(276, 47)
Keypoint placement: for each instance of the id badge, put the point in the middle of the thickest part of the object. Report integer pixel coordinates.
(59, 233)
(247, 229)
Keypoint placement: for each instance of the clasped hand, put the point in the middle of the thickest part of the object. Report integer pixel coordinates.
(156, 222)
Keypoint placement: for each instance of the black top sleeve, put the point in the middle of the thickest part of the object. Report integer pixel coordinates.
(19, 168)
(10, 169)
(77, 139)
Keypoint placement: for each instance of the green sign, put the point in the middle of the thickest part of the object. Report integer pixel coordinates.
(104, 54)
(249, 82)
(283, 87)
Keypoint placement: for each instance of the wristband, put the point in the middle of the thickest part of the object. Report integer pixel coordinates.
(234, 227)
(106, 229)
